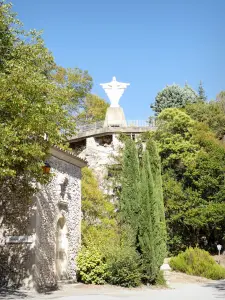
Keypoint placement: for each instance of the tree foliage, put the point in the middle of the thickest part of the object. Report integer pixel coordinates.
(193, 179)
(6, 37)
(141, 205)
(201, 92)
(93, 110)
(132, 242)
(95, 206)
(148, 218)
(152, 228)
(220, 99)
(129, 198)
(211, 114)
(109, 253)
(98, 217)
(160, 226)
(36, 98)
(174, 96)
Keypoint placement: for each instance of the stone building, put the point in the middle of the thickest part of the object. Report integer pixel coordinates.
(45, 252)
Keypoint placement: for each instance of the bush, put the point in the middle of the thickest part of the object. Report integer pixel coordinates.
(195, 261)
(99, 237)
(160, 279)
(123, 267)
(91, 266)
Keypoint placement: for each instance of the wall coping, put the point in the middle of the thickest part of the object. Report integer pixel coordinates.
(67, 156)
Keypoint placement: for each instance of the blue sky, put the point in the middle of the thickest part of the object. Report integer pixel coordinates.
(148, 43)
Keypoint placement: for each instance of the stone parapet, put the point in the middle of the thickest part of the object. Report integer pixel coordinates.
(109, 130)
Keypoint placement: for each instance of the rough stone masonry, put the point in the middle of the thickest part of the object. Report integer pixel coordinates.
(46, 252)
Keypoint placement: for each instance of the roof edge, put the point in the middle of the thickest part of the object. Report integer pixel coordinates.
(67, 156)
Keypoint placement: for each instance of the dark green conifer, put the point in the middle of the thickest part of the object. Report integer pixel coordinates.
(129, 201)
(201, 92)
(147, 221)
(160, 225)
(142, 207)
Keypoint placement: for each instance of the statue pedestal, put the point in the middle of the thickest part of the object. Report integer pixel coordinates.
(115, 117)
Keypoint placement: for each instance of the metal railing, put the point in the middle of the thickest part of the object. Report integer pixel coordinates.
(90, 127)
(151, 124)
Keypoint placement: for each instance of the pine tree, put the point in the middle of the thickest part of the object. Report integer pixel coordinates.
(129, 201)
(201, 92)
(160, 227)
(147, 220)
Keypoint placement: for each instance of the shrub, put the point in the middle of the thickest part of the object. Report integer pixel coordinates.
(124, 267)
(99, 237)
(195, 261)
(160, 279)
(91, 266)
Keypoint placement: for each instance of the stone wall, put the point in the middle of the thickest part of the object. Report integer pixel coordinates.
(15, 213)
(48, 256)
(99, 155)
(61, 198)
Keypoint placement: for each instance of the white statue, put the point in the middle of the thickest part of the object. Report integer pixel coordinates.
(114, 91)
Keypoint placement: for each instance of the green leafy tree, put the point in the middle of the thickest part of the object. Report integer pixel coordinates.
(129, 198)
(220, 99)
(95, 206)
(98, 216)
(6, 37)
(193, 181)
(33, 102)
(174, 96)
(211, 114)
(201, 92)
(93, 110)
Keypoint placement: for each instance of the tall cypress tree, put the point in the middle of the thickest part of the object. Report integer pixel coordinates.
(147, 221)
(141, 205)
(160, 226)
(129, 201)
